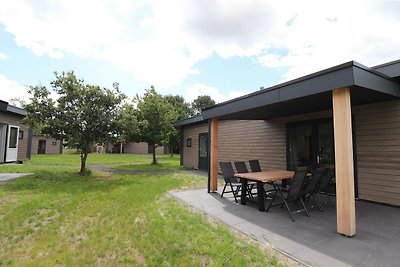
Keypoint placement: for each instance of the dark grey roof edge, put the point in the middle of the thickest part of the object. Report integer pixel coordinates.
(391, 69)
(304, 78)
(274, 87)
(347, 65)
(371, 70)
(386, 64)
(192, 120)
(16, 110)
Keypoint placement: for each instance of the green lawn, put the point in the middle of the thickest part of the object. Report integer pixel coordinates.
(56, 217)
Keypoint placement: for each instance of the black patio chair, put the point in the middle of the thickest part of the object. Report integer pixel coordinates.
(254, 165)
(326, 179)
(230, 179)
(242, 168)
(294, 194)
(312, 187)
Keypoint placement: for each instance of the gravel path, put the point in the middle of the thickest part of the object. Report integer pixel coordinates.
(9, 176)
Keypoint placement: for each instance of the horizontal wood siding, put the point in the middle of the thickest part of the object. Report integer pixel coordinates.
(242, 140)
(136, 148)
(377, 128)
(50, 148)
(191, 154)
(22, 143)
(377, 132)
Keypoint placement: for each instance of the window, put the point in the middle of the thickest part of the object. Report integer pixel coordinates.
(21, 135)
(13, 137)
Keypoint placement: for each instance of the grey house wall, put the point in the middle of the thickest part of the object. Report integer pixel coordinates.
(377, 131)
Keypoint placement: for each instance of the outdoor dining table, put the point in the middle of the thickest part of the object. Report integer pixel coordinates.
(261, 178)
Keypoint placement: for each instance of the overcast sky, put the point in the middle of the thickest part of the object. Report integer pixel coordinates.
(223, 48)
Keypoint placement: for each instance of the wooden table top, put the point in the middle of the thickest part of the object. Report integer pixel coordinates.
(266, 176)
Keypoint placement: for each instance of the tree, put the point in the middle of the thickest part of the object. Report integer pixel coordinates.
(202, 102)
(155, 118)
(127, 125)
(183, 111)
(83, 114)
(179, 104)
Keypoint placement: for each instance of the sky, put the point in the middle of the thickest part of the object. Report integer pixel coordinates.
(221, 48)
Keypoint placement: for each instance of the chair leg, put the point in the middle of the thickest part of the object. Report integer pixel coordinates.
(317, 202)
(233, 192)
(237, 189)
(272, 200)
(288, 209)
(330, 201)
(223, 191)
(249, 188)
(304, 206)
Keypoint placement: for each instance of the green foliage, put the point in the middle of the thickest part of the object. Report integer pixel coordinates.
(155, 119)
(82, 114)
(202, 102)
(183, 111)
(181, 107)
(127, 125)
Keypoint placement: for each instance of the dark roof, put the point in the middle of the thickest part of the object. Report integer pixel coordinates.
(391, 69)
(6, 107)
(308, 94)
(192, 120)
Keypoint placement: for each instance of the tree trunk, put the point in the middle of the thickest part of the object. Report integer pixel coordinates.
(120, 148)
(171, 150)
(154, 155)
(83, 163)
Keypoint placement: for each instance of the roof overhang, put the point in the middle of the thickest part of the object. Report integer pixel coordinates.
(6, 107)
(391, 69)
(192, 120)
(309, 93)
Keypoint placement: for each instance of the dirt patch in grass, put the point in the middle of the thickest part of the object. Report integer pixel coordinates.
(40, 219)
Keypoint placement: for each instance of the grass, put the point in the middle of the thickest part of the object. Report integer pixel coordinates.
(165, 163)
(56, 217)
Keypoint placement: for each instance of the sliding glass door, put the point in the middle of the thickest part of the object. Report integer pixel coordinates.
(310, 144)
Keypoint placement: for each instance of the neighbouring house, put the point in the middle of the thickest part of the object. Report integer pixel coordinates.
(346, 117)
(46, 145)
(129, 148)
(15, 137)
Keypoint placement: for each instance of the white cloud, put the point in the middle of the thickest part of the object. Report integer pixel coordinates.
(3, 56)
(335, 32)
(160, 42)
(197, 89)
(11, 89)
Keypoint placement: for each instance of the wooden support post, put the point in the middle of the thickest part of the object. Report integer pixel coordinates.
(345, 200)
(214, 155)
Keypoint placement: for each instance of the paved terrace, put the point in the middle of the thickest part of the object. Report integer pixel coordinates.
(312, 240)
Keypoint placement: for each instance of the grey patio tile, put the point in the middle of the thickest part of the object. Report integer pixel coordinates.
(229, 219)
(387, 254)
(396, 236)
(306, 234)
(253, 230)
(214, 211)
(285, 244)
(352, 250)
(316, 258)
